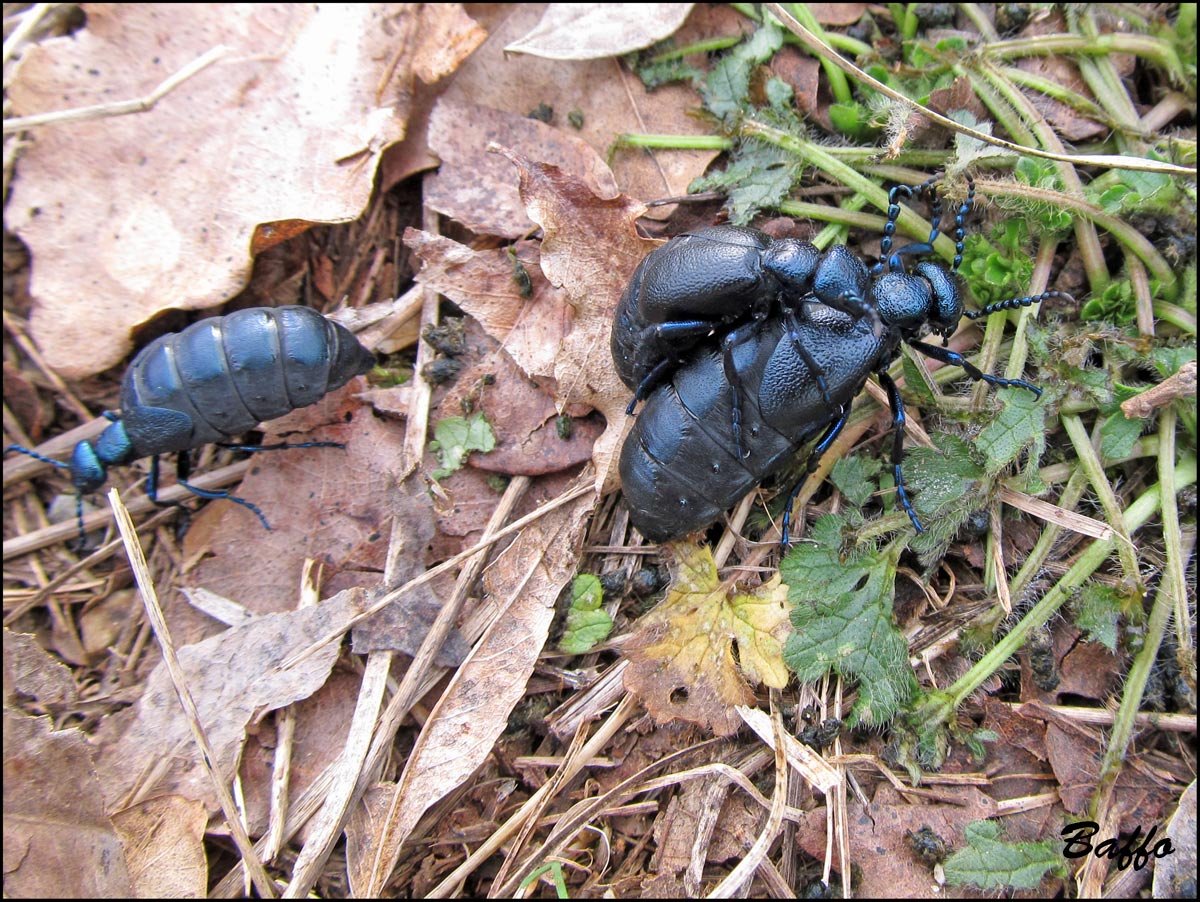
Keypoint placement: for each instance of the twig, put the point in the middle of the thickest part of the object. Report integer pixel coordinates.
(119, 107)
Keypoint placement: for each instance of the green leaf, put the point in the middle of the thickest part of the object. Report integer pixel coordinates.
(1020, 424)
(991, 863)
(842, 612)
(851, 119)
(857, 478)
(1097, 611)
(759, 178)
(1118, 435)
(587, 621)
(726, 91)
(456, 437)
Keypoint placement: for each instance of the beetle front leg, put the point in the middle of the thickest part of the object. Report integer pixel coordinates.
(945, 355)
(898, 421)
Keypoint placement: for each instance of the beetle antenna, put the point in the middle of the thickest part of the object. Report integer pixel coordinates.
(1014, 303)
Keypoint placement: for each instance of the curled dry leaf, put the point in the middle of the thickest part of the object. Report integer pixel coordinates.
(590, 247)
(525, 582)
(484, 284)
(681, 657)
(476, 187)
(611, 99)
(128, 215)
(587, 31)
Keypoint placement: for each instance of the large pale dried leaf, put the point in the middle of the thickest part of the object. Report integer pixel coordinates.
(58, 842)
(682, 664)
(129, 215)
(164, 843)
(232, 677)
(611, 100)
(477, 188)
(588, 31)
(590, 247)
(459, 734)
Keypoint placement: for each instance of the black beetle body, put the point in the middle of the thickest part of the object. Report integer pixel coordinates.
(710, 281)
(737, 410)
(213, 381)
(679, 470)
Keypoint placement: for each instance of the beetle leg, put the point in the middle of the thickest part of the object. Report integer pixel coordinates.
(728, 343)
(814, 368)
(810, 467)
(945, 355)
(898, 421)
(183, 467)
(280, 446)
(669, 338)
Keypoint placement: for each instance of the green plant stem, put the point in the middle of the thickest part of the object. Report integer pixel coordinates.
(1085, 233)
(674, 142)
(1101, 45)
(1169, 602)
(909, 222)
(1094, 468)
(838, 84)
(938, 709)
(1076, 101)
(987, 31)
(1134, 240)
(709, 46)
(1176, 554)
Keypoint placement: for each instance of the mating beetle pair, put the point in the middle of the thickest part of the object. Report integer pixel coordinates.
(215, 380)
(795, 333)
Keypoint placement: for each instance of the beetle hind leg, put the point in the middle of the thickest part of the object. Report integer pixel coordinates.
(810, 467)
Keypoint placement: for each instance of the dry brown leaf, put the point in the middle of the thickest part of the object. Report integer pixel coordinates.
(32, 675)
(611, 100)
(590, 246)
(681, 658)
(525, 580)
(233, 677)
(164, 846)
(322, 503)
(476, 187)
(588, 31)
(403, 625)
(58, 842)
(483, 284)
(129, 215)
(877, 840)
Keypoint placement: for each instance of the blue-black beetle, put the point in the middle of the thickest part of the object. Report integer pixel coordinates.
(738, 409)
(213, 381)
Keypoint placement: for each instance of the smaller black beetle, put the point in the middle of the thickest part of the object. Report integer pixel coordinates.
(787, 377)
(213, 381)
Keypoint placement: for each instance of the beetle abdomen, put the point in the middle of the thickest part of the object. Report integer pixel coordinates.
(227, 374)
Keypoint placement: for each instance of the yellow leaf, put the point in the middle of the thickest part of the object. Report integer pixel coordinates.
(682, 663)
